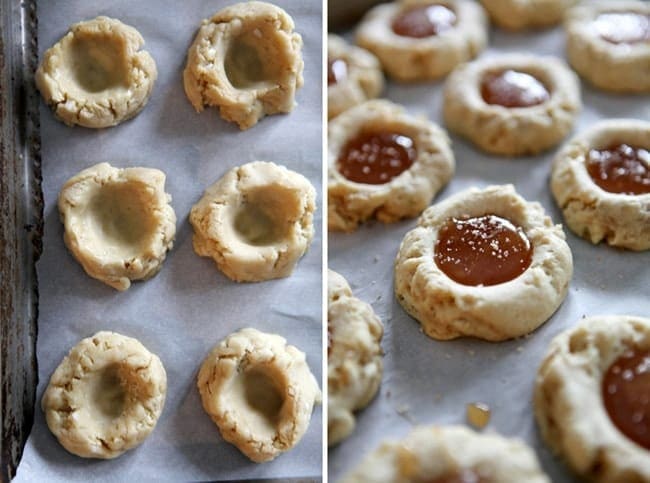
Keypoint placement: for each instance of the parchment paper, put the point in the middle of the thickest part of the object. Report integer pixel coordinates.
(429, 382)
(189, 306)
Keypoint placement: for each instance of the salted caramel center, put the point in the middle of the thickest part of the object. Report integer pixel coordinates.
(511, 88)
(622, 169)
(337, 70)
(623, 27)
(424, 21)
(376, 157)
(462, 476)
(484, 250)
(626, 394)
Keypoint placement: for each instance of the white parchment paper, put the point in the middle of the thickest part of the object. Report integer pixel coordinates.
(189, 306)
(429, 382)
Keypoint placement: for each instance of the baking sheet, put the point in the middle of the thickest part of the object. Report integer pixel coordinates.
(429, 382)
(189, 306)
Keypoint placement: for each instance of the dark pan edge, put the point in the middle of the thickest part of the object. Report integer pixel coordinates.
(21, 227)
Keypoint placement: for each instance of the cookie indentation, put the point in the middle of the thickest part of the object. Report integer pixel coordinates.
(98, 62)
(118, 219)
(513, 89)
(107, 393)
(620, 169)
(246, 66)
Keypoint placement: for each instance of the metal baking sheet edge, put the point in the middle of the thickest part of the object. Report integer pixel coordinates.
(21, 227)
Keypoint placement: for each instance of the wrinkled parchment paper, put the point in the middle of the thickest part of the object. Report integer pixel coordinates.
(429, 382)
(189, 306)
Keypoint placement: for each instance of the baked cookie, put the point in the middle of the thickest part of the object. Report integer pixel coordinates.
(255, 222)
(483, 263)
(354, 357)
(591, 398)
(118, 223)
(259, 392)
(601, 182)
(353, 76)
(419, 40)
(96, 75)
(449, 454)
(608, 44)
(247, 61)
(105, 397)
(527, 14)
(383, 163)
(512, 104)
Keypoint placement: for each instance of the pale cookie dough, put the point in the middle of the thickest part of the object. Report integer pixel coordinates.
(591, 212)
(259, 392)
(621, 67)
(247, 61)
(409, 59)
(406, 195)
(527, 14)
(449, 453)
(96, 75)
(518, 130)
(105, 397)
(354, 360)
(255, 222)
(118, 223)
(361, 81)
(568, 400)
(447, 309)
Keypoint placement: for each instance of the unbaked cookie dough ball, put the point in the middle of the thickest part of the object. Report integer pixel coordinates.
(449, 454)
(118, 223)
(601, 182)
(512, 104)
(354, 357)
(420, 40)
(591, 398)
(353, 76)
(483, 263)
(105, 397)
(247, 61)
(259, 392)
(527, 14)
(256, 222)
(96, 75)
(383, 163)
(608, 44)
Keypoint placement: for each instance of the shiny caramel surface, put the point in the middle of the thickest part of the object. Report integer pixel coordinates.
(622, 169)
(376, 157)
(484, 250)
(426, 21)
(626, 394)
(511, 88)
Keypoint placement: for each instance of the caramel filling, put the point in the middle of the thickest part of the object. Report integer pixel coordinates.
(424, 21)
(376, 157)
(484, 250)
(462, 476)
(337, 70)
(620, 169)
(513, 89)
(626, 394)
(623, 28)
